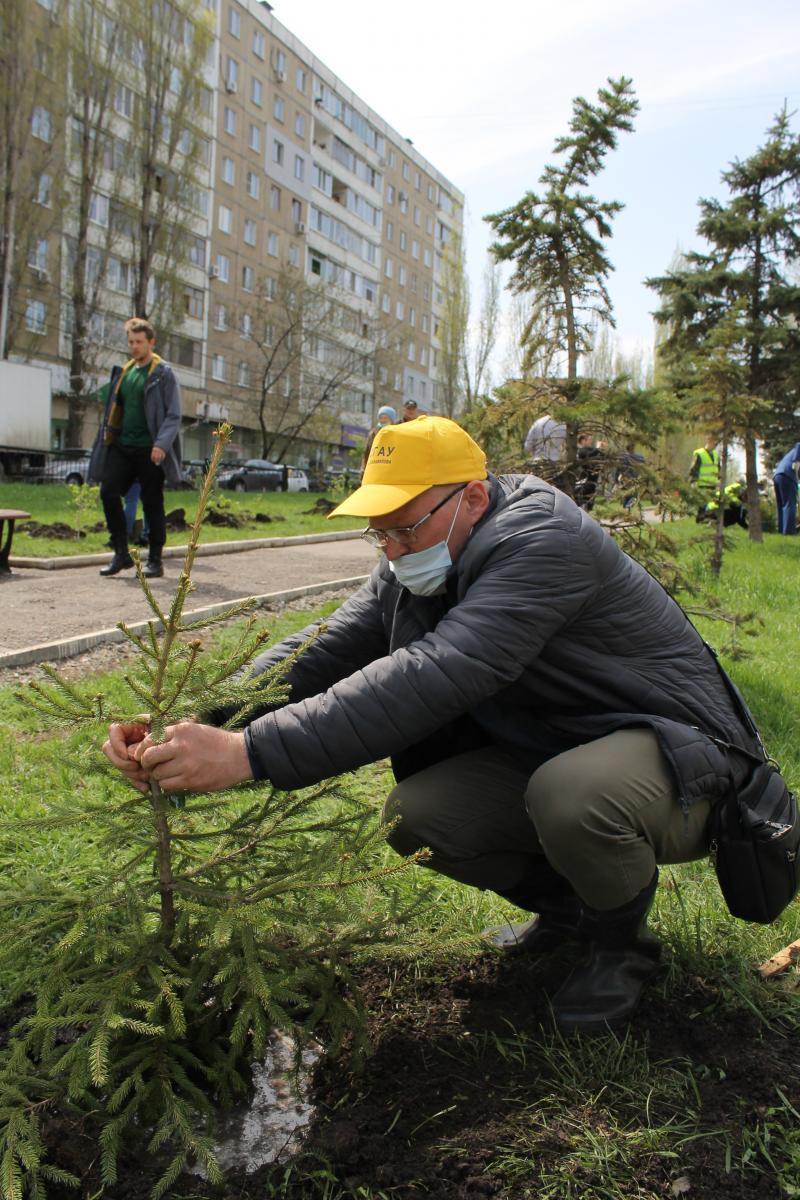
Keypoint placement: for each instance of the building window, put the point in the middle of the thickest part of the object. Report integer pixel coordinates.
(299, 167)
(228, 171)
(259, 44)
(231, 74)
(297, 211)
(98, 209)
(406, 171)
(229, 120)
(294, 256)
(248, 279)
(244, 374)
(386, 303)
(300, 125)
(399, 310)
(256, 91)
(252, 184)
(223, 268)
(417, 217)
(389, 193)
(220, 317)
(270, 288)
(234, 22)
(194, 301)
(225, 218)
(119, 276)
(40, 123)
(273, 244)
(277, 152)
(280, 62)
(250, 232)
(417, 181)
(388, 268)
(197, 251)
(414, 248)
(389, 231)
(218, 367)
(278, 108)
(42, 190)
(300, 79)
(123, 101)
(37, 256)
(403, 239)
(401, 275)
(246, 325)
(275, 198)
(255, 137)
(35, 317)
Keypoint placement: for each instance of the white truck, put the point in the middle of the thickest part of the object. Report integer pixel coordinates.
(25, 418)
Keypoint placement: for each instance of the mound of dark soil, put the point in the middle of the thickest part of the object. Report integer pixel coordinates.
(444, 1089)
(58, 529)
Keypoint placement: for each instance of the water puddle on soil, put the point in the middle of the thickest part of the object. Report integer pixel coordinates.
(269, 1128)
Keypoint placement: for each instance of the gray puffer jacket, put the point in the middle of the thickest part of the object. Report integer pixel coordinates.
(548, 636)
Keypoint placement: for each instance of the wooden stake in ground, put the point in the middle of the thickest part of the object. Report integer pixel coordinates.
(781, 961)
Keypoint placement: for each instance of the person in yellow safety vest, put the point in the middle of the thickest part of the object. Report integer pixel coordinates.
(735, 510)
(704, 472)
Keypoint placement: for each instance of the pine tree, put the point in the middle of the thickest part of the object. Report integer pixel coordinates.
(753, 240)
(555, 238)
(203, 923)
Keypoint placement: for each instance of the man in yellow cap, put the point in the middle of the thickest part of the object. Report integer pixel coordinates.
(557, 727)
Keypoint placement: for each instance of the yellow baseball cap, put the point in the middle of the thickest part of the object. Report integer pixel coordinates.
(406, 460)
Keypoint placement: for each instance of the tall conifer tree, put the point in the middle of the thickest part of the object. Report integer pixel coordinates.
(753, 238)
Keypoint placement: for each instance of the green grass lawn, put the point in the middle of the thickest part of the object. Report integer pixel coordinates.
(52, 503)
(602, 1118)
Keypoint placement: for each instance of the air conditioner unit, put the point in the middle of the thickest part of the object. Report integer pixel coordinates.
(40, 273)
(213, 273)
(402, 197)
(280, 76)
(299, 227)
(202, 410)
(230, 85)
(382, 162)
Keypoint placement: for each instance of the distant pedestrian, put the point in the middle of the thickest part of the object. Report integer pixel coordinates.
(386, 416)
(544, 441)
(590, 463)
(628, 473)
(138, 440)
(410, 411)
(785, 480)
(704, 473)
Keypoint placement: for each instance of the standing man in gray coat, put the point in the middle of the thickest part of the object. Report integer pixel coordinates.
(557, 727)
(138, 441)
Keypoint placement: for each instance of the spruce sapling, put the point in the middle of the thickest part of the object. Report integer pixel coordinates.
(198, 925)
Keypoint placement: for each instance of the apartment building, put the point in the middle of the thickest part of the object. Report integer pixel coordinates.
(314, 276)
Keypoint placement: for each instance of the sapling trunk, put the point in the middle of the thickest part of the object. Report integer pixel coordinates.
(160, 717)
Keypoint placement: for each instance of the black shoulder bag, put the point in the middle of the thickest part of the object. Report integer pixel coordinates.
(755, 833)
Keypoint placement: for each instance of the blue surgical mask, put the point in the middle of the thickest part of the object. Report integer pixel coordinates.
(425, 571)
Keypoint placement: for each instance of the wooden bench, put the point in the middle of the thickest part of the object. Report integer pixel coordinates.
(10, 516)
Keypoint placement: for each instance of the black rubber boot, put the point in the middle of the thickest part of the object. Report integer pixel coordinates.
(606, 988)
(544, 892)
(121, 560)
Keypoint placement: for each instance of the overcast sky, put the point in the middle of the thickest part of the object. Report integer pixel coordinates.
(483, 89)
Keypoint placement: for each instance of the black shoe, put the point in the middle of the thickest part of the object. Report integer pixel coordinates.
(153, 568)
(142, 541)
(605, 989)
(120, 562)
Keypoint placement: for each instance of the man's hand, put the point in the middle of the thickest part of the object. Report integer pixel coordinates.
(123, 740)
(195, 758)
(157, 455)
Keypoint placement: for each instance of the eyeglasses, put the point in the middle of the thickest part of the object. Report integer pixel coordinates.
(406, 535)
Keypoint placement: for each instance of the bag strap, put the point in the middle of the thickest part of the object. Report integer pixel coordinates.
(742, 709)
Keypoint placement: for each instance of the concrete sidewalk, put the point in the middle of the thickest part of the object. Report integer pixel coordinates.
(46, 614)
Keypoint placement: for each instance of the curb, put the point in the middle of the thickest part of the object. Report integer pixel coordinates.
(207, 548)
(87, 641)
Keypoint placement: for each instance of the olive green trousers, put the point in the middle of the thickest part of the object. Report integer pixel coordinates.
(603, 815)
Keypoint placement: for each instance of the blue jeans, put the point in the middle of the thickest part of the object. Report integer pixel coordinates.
(786, 499)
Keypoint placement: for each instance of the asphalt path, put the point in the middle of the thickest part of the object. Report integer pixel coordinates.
(40, 607)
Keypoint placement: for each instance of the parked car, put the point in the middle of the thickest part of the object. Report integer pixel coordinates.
(298, 480)
(254, 475)
(66, 466)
